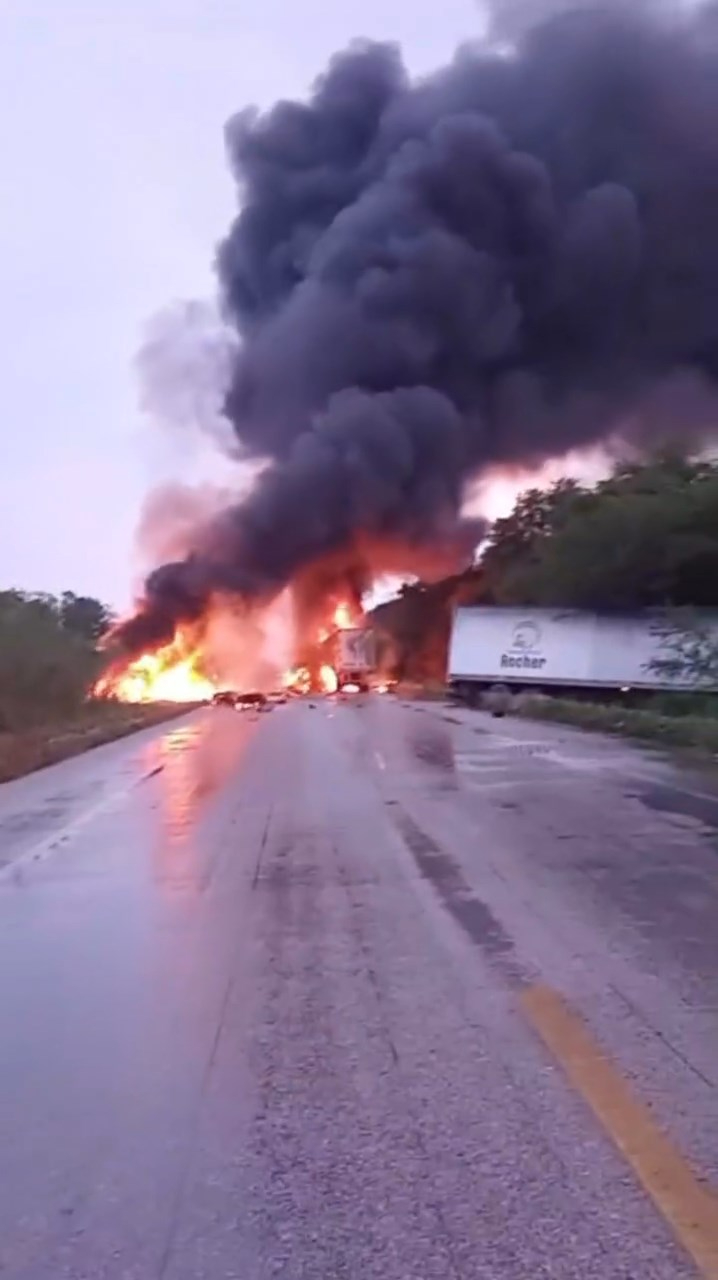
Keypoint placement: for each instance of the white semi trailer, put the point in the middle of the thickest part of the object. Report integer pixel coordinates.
(356, 658)
(559, 648)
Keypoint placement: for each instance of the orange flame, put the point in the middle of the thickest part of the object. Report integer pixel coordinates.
(297, 679)
(328, 678)
(173, 673)
(343, 617)
(176, 672)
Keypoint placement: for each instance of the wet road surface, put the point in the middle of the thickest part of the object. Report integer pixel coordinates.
(371, 989)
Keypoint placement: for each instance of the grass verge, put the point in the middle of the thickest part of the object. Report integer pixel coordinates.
(697, 732)
(25, 750)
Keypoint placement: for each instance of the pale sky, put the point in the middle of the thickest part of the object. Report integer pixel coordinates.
(114, 194)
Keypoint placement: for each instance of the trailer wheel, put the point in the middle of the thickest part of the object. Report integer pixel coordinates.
(498, 700)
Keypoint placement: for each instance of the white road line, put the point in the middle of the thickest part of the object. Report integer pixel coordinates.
(62, 835)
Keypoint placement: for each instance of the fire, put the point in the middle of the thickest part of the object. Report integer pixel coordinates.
(172, 673)
(297, 680)
(178, 671)
(328, 678)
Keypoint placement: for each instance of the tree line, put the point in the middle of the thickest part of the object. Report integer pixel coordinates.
(48, 655)
(646, 537)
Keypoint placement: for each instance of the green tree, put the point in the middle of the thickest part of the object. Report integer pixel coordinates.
(46, 662)
(691, 650)
(512, 561)
(647, 536)
(84, 616)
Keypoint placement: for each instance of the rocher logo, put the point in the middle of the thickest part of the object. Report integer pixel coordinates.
(527, 636)
(525, 641)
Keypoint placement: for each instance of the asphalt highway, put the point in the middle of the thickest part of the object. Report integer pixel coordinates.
(359, 990)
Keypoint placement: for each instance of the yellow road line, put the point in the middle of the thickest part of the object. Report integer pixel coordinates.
(691, 1209)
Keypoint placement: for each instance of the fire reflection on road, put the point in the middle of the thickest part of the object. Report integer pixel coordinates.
(181, 793)
(192, 764)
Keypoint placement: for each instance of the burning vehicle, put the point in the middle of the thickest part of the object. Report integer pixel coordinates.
(354, 661)
(336, 657)
(224, 698)
(240, 701)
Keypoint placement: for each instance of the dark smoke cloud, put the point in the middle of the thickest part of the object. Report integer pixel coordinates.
(508, 260)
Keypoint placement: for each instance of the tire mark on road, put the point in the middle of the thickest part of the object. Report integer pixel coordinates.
(262, 847)
(473, 915)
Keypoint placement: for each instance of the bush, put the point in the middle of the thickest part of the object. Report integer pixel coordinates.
(97, 723)
(48, 656)
(683, 730)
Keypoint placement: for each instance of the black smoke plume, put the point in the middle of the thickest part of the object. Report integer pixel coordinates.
(513, 258)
